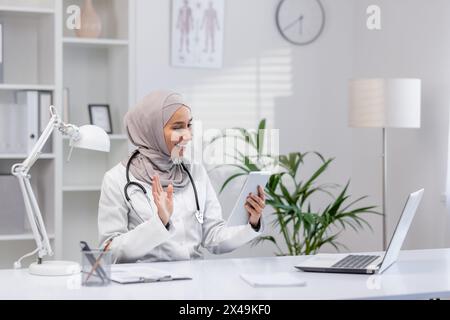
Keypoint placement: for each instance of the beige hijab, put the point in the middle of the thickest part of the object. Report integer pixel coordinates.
(145, 128)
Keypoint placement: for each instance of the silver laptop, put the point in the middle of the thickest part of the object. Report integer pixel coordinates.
(368, 264)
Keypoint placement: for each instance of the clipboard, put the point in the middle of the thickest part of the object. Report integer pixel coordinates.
(140, 274)
(146, 280)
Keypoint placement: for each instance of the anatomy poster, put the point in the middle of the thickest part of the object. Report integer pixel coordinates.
(197, 33)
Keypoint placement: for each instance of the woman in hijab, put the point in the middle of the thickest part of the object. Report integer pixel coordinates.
(163, 224)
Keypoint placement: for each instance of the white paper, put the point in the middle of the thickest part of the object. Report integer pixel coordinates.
(275, 279)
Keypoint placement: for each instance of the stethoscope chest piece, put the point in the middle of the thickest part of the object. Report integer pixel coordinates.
(199, 216)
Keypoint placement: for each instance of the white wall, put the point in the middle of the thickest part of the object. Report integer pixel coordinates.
(303, 92)
(414, 42)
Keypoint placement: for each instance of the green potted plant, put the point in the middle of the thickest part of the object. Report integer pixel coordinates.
(304, 228)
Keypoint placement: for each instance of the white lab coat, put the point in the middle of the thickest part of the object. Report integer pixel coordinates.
(135, 240)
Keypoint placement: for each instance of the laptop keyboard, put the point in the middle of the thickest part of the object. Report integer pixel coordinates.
(355, 262)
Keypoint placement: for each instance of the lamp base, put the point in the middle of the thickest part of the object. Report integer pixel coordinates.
(54, 268)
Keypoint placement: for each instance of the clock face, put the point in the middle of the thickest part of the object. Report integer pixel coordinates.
(300, 21)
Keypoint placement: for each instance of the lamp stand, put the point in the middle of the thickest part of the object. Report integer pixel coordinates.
(41, 268)
(54, 268)
(384, 186)
(22, 172)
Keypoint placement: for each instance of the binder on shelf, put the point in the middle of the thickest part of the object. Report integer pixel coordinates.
(66, 105)
(1, 52)
(5, 129)
(36, 104)
(30, 101)
(12, 134)
(45, 101)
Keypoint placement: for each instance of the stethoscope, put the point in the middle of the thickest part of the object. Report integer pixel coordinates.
(198, 213)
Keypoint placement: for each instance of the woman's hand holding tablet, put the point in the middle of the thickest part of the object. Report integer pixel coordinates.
(248, 207)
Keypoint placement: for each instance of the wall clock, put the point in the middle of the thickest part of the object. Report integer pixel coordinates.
(300, 21)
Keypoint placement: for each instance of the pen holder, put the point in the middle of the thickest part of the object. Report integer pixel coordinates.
(96, 267)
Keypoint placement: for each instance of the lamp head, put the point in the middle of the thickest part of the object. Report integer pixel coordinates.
(92, 138)
(89, 137)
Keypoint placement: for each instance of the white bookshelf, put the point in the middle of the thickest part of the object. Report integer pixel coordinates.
(82, 188)
(41, 54)
(19, 87)
(24, 236)
(111, 137)
(12, 9)
(29, 5)
(118, 137)
(23, 156)
(94, 42)
(29, 52)
(96, 71)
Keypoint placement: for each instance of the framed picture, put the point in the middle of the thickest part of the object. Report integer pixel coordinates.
(100, 115)
(197, 33)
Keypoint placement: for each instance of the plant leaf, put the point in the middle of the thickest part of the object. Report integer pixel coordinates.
(234, 176)
(260, 136)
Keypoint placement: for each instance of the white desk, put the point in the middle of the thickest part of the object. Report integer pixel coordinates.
(421, 274)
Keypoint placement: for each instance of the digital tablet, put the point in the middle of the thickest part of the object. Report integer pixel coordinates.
(239, 215)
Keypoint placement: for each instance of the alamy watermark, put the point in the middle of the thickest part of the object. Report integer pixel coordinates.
(73, 21)
(228, 146)
(374, 17)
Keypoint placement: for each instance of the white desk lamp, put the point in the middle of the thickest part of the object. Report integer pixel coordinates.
(385, 103)
(86, 137)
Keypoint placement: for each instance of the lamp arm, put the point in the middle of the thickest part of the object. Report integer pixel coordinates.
(35, 217)
(55, 122)
(21, 171)
(37, 149)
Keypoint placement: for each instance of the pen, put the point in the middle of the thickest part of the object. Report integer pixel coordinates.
(97, 262)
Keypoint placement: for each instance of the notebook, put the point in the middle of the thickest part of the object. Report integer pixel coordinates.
(139, 274)
(275, 279)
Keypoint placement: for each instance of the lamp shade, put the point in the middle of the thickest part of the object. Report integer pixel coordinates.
(385, 103)
(92, 138)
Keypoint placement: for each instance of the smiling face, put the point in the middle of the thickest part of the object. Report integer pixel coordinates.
(178, 128)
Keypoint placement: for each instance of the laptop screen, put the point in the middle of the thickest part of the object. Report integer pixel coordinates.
(401, 230)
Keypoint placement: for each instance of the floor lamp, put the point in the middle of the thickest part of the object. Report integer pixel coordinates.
(384, 103)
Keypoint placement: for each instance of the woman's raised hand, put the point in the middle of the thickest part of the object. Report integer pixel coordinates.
(163, 199)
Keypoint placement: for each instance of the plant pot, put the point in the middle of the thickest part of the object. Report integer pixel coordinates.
(91, 25)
